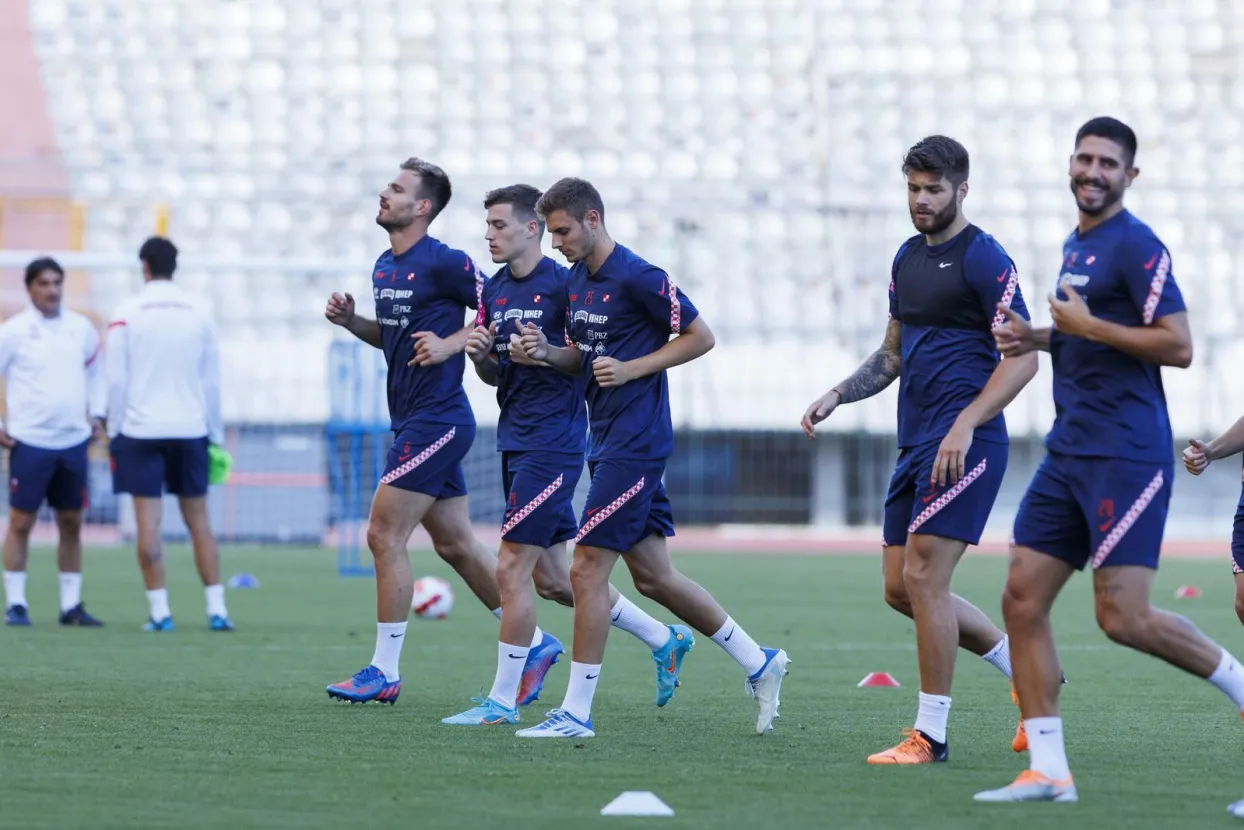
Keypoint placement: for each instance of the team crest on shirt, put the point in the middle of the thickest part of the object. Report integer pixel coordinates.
(536, 299)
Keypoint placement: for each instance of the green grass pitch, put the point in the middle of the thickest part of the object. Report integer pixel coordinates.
(117, 728)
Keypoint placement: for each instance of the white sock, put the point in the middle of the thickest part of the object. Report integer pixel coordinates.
(1229, 678)
(389, 639)
(158, 600)
(1046, 752)
(216, 601)
(510, 663)
(740, 646)
(70, 590)
(1000, 656)
(632, 619)
(537, 637)
(581, 690)
(14, 588)
(932, 715)
(496, 612)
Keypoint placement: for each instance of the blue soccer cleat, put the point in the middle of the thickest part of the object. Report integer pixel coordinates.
(487, 713)
(560, 724)
(368, 684)
(77, 617)
(765, 686)
(539, 660)
(17, 615)
(669, 661)
(165, 624)
(219, 623)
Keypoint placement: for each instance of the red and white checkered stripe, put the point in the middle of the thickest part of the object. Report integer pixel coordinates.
(427, 452)
(1235, 569)
(1129, 519)
(1012, 282)
(947, 497)
(607, 511)
(479, 286)
(675, 308)
(1156, 285)
(530, 507)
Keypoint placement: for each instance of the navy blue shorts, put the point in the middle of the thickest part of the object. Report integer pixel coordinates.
(60, 476)
(427, 458)
(1096, 511)
(540, 487)
(1237, 539)
(626, 504)
(954, 511)
(146, 468)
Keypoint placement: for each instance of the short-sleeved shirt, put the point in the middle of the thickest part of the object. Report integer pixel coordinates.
(626, 310)
(428, 288)
(1108, 403)
(541, 408)
(946, 297)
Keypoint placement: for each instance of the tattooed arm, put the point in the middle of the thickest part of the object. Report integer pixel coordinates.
(877, 372)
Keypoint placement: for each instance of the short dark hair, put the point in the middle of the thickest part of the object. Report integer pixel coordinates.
(160, 256)
(433, 184)
(1112, 129)
(575, 196)
(939, 155)
(34, 269)
(522, 198)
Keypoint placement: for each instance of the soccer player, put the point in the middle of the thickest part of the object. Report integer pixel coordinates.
(49, 357)
(541, 435)
(423, 290)
(1100, 496)
(1196, 457)
(163, 369)
(945, 286)
(621, 315)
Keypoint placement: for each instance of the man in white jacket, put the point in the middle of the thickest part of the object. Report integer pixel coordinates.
(49, 357)
(163, 367)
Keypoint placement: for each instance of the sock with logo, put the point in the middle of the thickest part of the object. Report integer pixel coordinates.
(1046, 752)
(510, 663)
(389, 639)
(581, 690)
(740, 646)
(632, 619)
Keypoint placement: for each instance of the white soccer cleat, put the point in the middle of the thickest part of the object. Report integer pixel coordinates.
(560, 724)
(1033, 786)
(1236, 809)
(765, 686)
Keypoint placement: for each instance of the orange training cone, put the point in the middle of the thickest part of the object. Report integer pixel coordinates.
(877, 678)
(1187, 592)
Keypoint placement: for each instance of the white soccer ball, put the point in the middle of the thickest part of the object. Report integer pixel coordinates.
(433, 599)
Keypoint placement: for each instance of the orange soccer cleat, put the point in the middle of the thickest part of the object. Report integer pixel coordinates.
(915, 748)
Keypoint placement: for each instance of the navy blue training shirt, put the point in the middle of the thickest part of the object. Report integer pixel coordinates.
(541, 408)
(946, 296)
(428, 288)
(1108, 403)
(626, 310)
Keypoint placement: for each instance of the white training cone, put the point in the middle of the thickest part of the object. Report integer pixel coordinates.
(637, 803)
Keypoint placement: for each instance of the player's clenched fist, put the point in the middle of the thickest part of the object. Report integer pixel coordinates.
(611, 372)
(1014, 337)
(1196, 456)
(340, 309)
(532, 342)
(479, 342)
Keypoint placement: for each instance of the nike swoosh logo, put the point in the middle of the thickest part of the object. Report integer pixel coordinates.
(944, 264)
(1149, 265)
(594, 676)
(928, 498)
(1046, 731)
(395, 636)
(728, 636)
(617, 616)
(518, 656)
(404, 457)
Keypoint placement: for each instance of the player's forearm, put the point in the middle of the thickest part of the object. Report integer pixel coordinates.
(684, 348)
(1010, 376)
(876, 373)
(1041, 338)
(459, 338)
(565, 359)
(1153, 344)
(367, 330)
(1229, 443)
(486, 370)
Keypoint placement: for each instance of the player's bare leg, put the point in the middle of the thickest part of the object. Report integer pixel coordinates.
(448, 522)
(16, 554)
(206, 559)
(977, 633)
(69, 563)
(394, 515)
(148, 515)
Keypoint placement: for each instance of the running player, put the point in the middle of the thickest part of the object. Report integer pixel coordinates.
(422, 290)
(163, 366)
(1197, 456)
(945, 286)
(621, 315)
(49, 357)
(541, 435)
(1100, 496)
